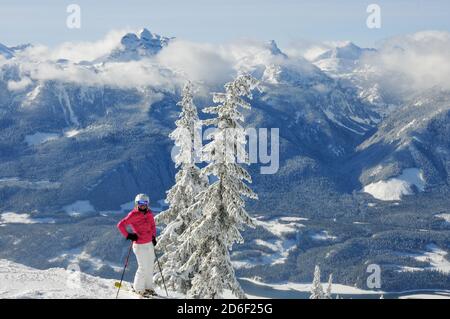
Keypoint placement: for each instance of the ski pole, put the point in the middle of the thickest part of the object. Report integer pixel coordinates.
(124, 268)
(160, 270)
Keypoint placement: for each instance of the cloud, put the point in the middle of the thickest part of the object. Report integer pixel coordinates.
(207, 65)
(42, 63)
(127, 75)
(74, 51)
(414, 62)
(88, 51)
(19, 85)
(180, 60)
(307, 49)
(199, 62)
(134, 74)
(401, 66)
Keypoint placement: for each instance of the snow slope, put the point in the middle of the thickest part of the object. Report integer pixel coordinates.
(19, 281)
(394, 188)
(14, 218)
(306, 287)
(19, 183)
(435, 256)
(22, 282)
(445, 217)
(280, 248)
(79, 208)
(40, 138)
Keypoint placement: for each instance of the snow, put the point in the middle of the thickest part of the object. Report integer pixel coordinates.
(426, 296)
(376, 170)
(410, 124)
(23, 282)
(306, 287)
(80, 207)
(227, 294)
(434, 256)
(323, 235)
(281, 250)
(15, 218)
(266, 244)
(94, 129)
(65, 103)
(331, 117)
(16, 182)
(32, 95)
(72, 133)
(5, 52)
(445, 217)
(394, 188)
(19, 281)
(292, 219)
(40, 138)
(77, 256)
(279, 228)
(271, 74)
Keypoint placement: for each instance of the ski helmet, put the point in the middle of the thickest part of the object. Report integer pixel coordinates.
(141, 199)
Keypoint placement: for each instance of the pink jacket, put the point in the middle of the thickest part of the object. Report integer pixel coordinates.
(143, 225)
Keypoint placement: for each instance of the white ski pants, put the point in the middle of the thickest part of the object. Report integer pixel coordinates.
(145, 255)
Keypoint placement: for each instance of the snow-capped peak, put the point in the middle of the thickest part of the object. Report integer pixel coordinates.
(345, 50)
(146, 35)
(135, 46)
(274, 49)
(5, 51)
(130, 41)
(341, 59)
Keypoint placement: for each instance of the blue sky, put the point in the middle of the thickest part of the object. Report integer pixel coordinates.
(286, 21)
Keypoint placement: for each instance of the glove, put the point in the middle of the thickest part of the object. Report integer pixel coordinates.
(154, 241)
(132, 237)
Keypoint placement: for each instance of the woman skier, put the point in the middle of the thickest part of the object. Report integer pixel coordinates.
(142, 223)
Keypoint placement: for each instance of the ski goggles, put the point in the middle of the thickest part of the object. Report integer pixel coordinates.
(142, 203)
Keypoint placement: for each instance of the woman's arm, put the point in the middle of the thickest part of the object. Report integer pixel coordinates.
(122, 225)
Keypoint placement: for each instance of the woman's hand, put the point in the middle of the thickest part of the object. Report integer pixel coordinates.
(132, 237)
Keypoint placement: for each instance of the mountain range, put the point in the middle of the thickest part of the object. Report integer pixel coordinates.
(363, 176)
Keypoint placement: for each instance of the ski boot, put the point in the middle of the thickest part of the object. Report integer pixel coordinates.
(150, 292)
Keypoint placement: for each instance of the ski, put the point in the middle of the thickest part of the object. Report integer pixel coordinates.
(129, 288)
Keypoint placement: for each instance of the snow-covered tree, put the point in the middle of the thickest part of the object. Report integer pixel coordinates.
(188, 183)
(316, 288)
(330, 284)
(222, 204)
